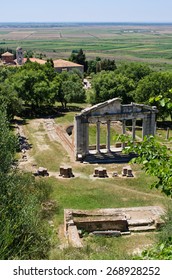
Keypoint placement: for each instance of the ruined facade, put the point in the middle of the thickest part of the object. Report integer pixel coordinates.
(107, 112)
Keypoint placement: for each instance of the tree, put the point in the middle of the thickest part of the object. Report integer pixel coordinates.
(80, 58)
(105, 64)
(70, 89)
(164, 105)
(107, 85)
(134, 70)
(33, 84)
(98, 65)
(156, 160)
(153, 86)
(8, 143)
(9, 97)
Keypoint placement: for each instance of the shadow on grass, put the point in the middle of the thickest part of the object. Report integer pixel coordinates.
(47, 112)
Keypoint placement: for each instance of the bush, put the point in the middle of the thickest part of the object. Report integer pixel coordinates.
(22, 230)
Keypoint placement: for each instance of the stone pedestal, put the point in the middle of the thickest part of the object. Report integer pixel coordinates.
(66, 172)
(124, 171)
(129, 172)
(42, 171)
(100, 172)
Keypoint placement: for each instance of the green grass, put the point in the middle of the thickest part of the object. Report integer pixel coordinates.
(99, 248)
(85, 192)
(81, 193)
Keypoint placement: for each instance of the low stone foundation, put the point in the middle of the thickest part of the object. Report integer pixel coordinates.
(110, 222)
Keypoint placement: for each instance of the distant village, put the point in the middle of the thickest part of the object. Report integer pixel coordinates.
(60, 65)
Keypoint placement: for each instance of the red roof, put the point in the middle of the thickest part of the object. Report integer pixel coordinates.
(7, 54)
(34, 59)
(65, 63)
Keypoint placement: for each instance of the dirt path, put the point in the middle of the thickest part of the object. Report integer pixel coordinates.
(57, 133)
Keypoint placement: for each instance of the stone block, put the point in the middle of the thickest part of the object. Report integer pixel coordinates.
(100, 172)
(130, 172)
(66, 172)
(110, 233)
(118, 145)
(102, 223)
(124, 171)
(73, 237)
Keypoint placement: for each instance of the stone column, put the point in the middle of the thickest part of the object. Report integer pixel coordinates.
(124, 127)
(143, 128)
(87, 138)
(123, 131)
(108, 136)
(167, 133)
(133, 129)
(98, 137)
(153, 124)
(81, 140)
(148, 125)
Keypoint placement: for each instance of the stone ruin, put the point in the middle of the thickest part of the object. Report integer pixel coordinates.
(41, 172)
(24, 145)
(106, 113)
(110, 222)
(100, 172)
(66, 172)
(127, 171)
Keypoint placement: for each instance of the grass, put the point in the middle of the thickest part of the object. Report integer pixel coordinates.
(81, 193)
(99, 248)
(85, 192)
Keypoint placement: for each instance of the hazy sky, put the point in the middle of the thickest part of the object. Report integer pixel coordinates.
(86, 10)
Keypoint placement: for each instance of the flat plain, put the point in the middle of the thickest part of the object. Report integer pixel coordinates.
(151, 43)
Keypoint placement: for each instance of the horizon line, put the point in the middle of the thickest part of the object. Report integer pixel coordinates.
(148, 22)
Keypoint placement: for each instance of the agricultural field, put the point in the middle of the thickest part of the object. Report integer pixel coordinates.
(122, 42)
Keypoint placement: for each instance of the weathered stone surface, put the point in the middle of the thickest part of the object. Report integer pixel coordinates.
(100, 172)
(124, 171)
(102, 224)
(66, 172)
(141, 222)
(129, 172)
(118, 219)
(105, 113)
(73, 237)
(113, 233)
(41, 172)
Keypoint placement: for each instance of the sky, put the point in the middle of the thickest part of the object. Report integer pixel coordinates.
(86, 11)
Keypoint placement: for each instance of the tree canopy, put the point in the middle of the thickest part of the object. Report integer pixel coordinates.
(38, 85)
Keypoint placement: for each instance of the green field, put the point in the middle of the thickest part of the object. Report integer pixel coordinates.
(145, 43)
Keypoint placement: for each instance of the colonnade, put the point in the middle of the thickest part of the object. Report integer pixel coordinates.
(107, 113)
(98, 136)
(108, 133)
